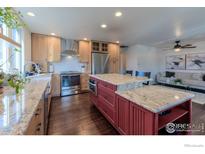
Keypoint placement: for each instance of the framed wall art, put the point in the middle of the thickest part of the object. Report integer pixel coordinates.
(175, 62)
(195, 61)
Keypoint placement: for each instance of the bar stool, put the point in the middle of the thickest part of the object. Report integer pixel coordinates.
(129, 72)
(143, 74)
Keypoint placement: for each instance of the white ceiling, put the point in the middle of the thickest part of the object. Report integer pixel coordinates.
(147, 26)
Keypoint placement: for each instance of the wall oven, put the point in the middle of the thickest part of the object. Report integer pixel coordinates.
(70, 83)
(93, 86)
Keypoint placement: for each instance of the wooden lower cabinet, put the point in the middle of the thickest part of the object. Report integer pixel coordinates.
(84, 79)
(56, 85)
(36, 125)
(39, 121)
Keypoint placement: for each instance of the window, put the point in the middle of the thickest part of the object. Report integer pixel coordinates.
(10, 50)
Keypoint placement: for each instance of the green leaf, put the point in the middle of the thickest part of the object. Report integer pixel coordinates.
(11, 18)
(17, 50)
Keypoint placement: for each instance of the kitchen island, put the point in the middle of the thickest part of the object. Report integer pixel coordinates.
(139, 110)
(23, 113)
(121, 82)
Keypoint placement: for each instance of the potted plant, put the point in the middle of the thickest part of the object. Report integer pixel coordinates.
(178, 81)
(1, 81)
(11, 18)
(16, 81)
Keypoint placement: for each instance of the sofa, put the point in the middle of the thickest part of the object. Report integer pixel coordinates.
(192, 80)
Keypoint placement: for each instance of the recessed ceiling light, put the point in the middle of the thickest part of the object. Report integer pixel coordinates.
(103, 25)
(117, 41)
(53, 34)
(85, 39)
(118, 14)
(31, 14)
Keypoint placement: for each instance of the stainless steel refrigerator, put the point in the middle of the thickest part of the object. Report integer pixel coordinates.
(99, 63)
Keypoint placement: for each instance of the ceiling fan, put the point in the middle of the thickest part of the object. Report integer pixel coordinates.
(178, 46)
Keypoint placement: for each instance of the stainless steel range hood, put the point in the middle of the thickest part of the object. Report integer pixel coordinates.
(69, 47)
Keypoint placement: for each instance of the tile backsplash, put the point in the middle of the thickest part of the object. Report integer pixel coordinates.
(68, 64)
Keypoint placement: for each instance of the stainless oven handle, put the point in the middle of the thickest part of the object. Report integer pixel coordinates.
(92, 84)
(70, 75)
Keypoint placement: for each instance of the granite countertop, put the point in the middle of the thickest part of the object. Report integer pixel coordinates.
(155, 98)
(198, 97)
(16, 111)
(119, 79)
(123, 82)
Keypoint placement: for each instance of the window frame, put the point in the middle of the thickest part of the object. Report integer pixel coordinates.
(9, 49)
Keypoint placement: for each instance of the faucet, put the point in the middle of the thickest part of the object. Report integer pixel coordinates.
(37, 69)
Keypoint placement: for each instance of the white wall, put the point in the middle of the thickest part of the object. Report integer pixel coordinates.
(142, 58)
(27, 44)
(68, 64)
(145, 58)
(162, 56)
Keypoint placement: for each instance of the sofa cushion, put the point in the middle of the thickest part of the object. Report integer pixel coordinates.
(183, 75)
(194, 83)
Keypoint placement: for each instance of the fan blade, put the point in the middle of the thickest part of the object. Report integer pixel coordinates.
(184, 47)
(187, 45)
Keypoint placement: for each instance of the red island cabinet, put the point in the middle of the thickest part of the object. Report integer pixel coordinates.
(132, 119)
(142, 121)
(104, 99)
(123, 115)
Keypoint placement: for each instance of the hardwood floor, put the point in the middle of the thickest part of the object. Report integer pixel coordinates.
(198, 118)
(75, 115)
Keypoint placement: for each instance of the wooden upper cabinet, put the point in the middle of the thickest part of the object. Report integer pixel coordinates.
(114, 59)
(39, 45)
(84, 51)
(99, 46)
(45, 48)
(95, 46)
(104, 47)
(54, 49)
